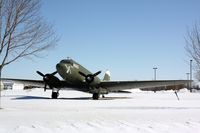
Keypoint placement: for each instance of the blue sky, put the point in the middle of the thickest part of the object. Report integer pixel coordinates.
(128, 37)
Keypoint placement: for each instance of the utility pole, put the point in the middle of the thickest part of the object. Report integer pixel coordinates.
(155, 68)
(190, 75)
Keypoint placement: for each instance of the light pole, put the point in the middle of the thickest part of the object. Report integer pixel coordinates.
(188, 80)
(190, 75)
(155, 68)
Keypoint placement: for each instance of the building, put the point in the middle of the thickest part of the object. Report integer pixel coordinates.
(9, 85)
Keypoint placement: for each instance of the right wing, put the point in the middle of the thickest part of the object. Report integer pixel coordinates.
(123, 85)
(25, 82)
(29, 84)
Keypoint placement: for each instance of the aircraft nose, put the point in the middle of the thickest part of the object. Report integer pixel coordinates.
(59, 66)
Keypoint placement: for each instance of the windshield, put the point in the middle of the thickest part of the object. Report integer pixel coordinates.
(68, 61)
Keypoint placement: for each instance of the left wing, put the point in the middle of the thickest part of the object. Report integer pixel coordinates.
(123, 85)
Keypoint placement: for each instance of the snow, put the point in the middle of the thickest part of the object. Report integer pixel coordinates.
(75, 112)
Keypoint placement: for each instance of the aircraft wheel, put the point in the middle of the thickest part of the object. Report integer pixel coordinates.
(95, 96)
(54, 95)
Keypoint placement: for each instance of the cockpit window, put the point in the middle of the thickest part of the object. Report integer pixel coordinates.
(67, 61)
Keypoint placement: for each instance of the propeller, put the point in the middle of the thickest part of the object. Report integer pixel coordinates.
(47, 78)
(90, 77)
(41, 74)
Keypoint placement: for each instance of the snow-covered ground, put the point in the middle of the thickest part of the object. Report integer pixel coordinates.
(137, 112)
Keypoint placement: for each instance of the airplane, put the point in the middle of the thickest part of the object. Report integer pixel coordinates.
(77, 77)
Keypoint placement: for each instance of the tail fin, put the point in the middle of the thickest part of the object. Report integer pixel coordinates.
(107, 76)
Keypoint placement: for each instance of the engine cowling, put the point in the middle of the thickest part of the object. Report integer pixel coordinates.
(50, 79)
(89, 78)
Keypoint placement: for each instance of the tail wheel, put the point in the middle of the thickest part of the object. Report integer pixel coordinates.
(54, 95)
(95, 96)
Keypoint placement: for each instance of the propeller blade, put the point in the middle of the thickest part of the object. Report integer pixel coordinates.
(90, 77)
(82, 74)
(41, 74)
(54, 73)
(97, 73)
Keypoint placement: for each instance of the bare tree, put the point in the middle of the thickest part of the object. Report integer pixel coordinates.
(23, 31)
(193, 46)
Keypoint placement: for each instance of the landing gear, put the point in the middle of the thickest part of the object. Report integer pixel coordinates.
(54, 95)
(95, 96)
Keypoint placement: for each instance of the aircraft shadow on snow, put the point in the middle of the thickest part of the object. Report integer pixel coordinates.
(111, 98)
(75, 98)
(29, 98)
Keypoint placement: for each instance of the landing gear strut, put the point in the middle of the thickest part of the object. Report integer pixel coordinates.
(54, 95)
(95, 96)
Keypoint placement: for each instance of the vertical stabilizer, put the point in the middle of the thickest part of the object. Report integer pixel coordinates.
(107, 76)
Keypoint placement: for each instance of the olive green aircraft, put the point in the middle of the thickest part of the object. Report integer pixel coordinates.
(77, 77)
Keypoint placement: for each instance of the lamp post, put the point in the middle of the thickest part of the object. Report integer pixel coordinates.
(190, 75)
(155, 68)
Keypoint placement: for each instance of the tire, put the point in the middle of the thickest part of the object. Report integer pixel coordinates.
(54, 95)
(95, 96)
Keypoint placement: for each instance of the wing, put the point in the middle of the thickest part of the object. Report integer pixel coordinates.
(25, 82)
(29, 84)
(123, 85)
